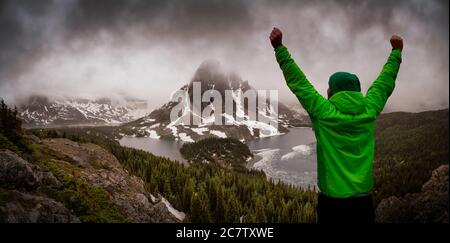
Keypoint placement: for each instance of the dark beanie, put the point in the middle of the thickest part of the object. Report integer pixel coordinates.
(343, 81)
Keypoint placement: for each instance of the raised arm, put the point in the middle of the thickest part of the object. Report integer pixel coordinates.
(384, 85)
(308, 96)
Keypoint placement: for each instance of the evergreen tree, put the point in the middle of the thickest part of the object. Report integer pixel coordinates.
(166, 188)
(212, 192)
(220, 206)
(206, 192)
(260, 211)
(188, 191)
(285, 216)
(232, 210)
(271, 212)
(200, 206)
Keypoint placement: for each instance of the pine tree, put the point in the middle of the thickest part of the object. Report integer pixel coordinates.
(166, 188)
(212, 192)
(296, 212)
(200, 207)
(153, 185)
(271, 212)
(260, 211)
(220, 206)
(285, 216)
(232, 209)
(11, 126)
(188, 191)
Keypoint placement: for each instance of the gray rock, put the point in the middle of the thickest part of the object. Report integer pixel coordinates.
(126, 191)
(428, 206)
(19, 207)
(96, 166)
(48, 179)
(161, 214)
(15, 172)
(79, 161)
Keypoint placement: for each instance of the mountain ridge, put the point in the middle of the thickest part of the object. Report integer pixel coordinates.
(40, 111)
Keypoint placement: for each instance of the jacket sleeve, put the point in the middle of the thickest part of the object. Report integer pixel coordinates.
(305, 92)
(379, 92)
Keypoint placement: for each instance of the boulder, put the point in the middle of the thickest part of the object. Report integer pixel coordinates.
(430, 205)
(20, 207)
(15, 172)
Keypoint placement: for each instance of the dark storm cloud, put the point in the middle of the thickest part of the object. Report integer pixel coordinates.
(24, 38)
(159, 20)
(174, 21)
(17, 39)
(182, 19)
(353, 35)
(131, 47)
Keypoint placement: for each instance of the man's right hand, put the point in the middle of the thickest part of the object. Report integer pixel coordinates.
(275, 37)
(397, 42)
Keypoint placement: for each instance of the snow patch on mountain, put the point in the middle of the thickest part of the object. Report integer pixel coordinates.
(185, 138)
(218, 134)
(153, 134)
(200, 131)
(155, 125)
(173, 129)
(178, 214)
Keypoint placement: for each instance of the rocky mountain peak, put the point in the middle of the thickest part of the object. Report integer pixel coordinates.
(240, 123)
(213, 75)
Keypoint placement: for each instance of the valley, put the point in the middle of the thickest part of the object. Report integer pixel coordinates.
(205, 192)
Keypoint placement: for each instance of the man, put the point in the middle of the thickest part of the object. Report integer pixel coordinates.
(344, 127)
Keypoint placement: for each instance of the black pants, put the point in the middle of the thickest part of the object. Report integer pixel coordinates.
(345, 210)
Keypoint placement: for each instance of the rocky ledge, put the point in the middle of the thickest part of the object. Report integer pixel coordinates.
(71, 182)
(425, 206)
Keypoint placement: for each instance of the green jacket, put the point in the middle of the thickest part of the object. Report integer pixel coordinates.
(344, 126)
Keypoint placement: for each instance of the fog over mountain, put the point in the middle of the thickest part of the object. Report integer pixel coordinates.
(147, 49)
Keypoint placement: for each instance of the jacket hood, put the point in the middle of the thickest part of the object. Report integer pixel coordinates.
(350, 102)
(343, 81)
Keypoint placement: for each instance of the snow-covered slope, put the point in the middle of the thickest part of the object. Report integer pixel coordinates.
(44, 111)
(158, 124)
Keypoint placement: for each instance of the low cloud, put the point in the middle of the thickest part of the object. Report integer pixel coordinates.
(146, 49)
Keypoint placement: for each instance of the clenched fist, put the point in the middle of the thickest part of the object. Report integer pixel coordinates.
(397, 42)
(275, 37)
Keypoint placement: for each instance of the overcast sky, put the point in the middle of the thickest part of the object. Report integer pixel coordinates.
(147, 49)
